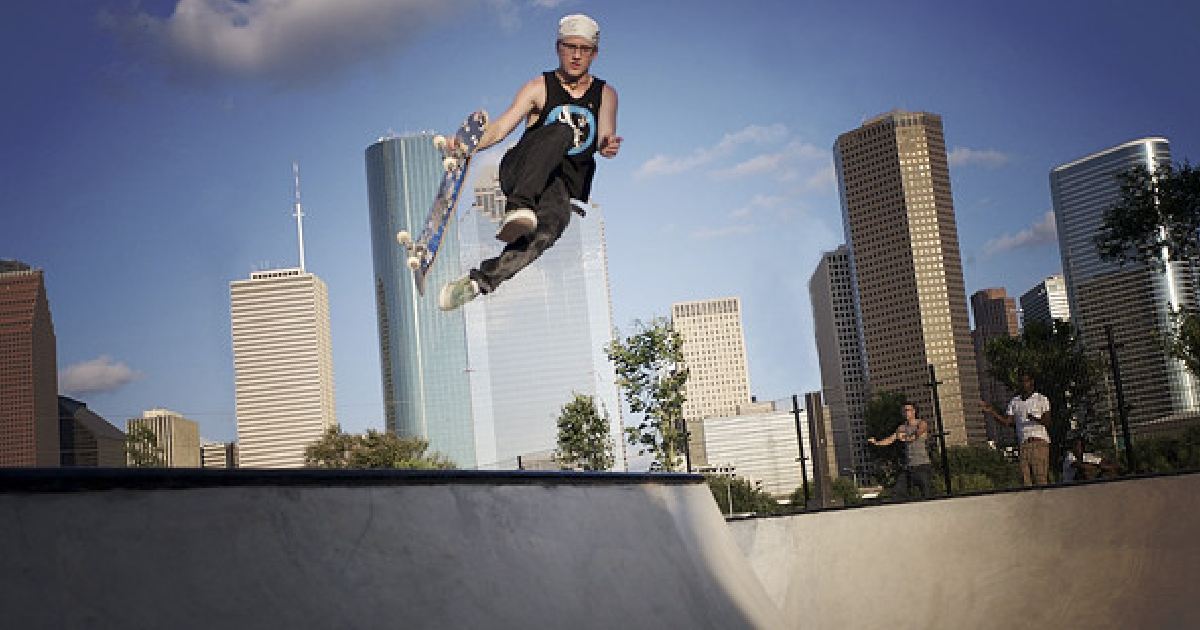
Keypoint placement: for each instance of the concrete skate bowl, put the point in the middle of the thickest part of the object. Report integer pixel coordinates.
(369, 549)
(1115, 554)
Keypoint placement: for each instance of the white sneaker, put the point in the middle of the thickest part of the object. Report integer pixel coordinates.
(457, 292)
(517, 223)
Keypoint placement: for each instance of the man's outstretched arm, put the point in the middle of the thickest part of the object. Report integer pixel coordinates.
(528, 99)
(606, 126)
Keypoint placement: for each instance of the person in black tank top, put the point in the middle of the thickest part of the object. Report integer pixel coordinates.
(569, 116)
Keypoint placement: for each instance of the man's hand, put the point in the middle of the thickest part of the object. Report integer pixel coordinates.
(609, 146)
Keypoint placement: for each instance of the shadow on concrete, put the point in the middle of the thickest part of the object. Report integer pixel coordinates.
(366, 549)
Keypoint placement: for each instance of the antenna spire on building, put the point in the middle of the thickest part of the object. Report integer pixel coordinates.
(299, 213)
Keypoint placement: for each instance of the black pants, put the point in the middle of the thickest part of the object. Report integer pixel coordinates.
(531, 177)
(914, 480)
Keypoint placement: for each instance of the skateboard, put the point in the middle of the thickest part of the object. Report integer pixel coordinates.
(423, 250)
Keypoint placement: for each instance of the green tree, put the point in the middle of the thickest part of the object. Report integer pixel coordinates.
(883, 413)
(583, 435)
(652, 376)
(1155, 221)
(142, 449)
(372, 450)
(1062, 371)
(1156, 218)
(744, 496)
(977, 468)
(1172, 453)
(845, 489)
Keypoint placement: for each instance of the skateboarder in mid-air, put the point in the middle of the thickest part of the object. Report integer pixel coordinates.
(569, 116)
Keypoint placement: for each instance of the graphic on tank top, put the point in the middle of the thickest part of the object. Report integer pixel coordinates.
(581, 121)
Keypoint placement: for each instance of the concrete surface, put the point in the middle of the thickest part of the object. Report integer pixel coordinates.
(235, 550)
(1123, 554)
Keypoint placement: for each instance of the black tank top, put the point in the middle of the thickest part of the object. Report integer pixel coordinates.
(580, 113)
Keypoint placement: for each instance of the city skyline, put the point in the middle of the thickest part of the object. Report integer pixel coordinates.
(180, 174)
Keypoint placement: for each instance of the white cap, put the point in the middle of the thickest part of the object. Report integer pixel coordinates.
(579, 25)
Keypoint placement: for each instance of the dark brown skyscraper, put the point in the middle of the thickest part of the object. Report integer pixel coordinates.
(898, 214)
(28, 370)
(995, 316)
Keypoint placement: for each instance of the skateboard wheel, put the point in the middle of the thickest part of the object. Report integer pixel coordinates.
(404, 238)
(414, 262)
(450, 163)
(439, 142)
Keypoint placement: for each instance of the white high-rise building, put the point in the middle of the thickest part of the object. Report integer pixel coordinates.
(283, 366)
(759, 447)
(178, 437)
(539, 339)
(714, 350)
(1046, 302)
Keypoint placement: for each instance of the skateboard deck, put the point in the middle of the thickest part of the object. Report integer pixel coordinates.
(423, 250)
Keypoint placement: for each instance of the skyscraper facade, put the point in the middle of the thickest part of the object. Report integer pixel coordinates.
(995, 316)
(422, 351)
(714, 350)
(839, 353)
(898, 214)
(1136, 301)
(178, 438)
(28, 370)
(1046, 302)
(540, 338)
(283, 366)
(760, 447)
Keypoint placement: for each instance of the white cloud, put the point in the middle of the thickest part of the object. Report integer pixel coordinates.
(779, 163)
(672, 165)
(282, 41)
(96, 376)
(1041, 233)
(991, 158)
(727, 231)
(759, 201)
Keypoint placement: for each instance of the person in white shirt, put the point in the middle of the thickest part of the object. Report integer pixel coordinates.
(1029, 412)
(1080, 465)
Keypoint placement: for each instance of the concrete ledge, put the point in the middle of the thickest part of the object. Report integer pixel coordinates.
(85, 479)
(1121, 554)
(322, 549)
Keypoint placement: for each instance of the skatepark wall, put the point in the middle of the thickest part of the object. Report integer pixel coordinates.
(1118, 554)
(369, 549)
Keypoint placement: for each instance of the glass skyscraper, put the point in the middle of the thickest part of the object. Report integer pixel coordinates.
(1135, 300)
(422, 351)
(539, 338)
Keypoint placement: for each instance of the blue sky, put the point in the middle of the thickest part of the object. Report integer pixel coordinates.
(146, 153)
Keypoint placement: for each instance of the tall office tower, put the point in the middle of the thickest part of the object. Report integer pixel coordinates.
(714, 350)
(283, 366)
(1046, 302)
(903, 243)
(28, 370)
(1134, 300)
(539, 339)
(995, 316)
(178, 438)
(839, 353)
(422, 351)
(86, 439)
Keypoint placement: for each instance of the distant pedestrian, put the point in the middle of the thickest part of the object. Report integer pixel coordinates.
(1080, 465)
(1029, 412)
(917, 473)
